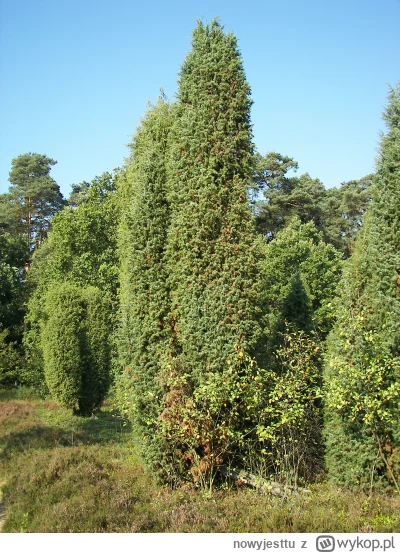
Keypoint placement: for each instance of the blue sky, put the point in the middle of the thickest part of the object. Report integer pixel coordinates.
(76, 77)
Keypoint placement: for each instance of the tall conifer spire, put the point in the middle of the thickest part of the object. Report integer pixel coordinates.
(213, 256)
(363, 371)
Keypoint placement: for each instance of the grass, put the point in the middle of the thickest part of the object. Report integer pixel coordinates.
(62, 473)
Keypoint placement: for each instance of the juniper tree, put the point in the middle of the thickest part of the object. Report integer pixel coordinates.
(74, 340)
(80, 250)
(300, 275)
(96, 350)
(61, 336)
(213, 256)
(144, 303)
(363, 365)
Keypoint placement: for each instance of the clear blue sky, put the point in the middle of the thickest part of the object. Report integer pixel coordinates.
(76, 76)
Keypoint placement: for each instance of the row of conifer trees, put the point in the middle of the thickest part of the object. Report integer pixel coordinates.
(213, 338)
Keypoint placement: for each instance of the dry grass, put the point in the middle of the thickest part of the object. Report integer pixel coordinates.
(67, 474)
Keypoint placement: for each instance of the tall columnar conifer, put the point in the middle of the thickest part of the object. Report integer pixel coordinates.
(61, 338)
(80, 250)
(144, 329)
(363, 368)
(96, 350)
(75, 346)
(213, 253)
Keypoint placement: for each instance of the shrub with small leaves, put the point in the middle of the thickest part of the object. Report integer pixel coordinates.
(291, 433)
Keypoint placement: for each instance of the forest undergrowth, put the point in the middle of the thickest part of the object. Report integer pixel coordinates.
(64, 473)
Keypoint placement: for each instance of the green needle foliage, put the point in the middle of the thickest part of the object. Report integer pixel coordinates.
(300, 275)
(96, 352)
(75, 349)
(213, 256)
(363, 369)
(144, 328)
(33, 198)
(300, 278)
(61, 344)
(81, 251)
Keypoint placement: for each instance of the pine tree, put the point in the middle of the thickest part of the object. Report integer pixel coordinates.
(363, 368)
(144, 304)
(213, 258)
(33, 198)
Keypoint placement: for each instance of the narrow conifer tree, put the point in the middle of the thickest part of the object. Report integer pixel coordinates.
(213, 256)
(143, 293)
(363, 365)
(61, 338)
(95, 350)
(74, 342)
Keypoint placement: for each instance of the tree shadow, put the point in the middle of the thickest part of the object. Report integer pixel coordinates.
(105, 427)
(39, 437)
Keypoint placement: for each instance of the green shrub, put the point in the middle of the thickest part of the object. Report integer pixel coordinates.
(10, 361)
(363, 361)
(213, 258)
(75, 347)
(61, 341)
(95, 376)
(144, 302)
(80, 250)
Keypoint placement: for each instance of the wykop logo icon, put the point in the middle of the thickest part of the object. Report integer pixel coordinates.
(326, 544)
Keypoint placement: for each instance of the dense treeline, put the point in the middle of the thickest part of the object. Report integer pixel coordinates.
(242, 316)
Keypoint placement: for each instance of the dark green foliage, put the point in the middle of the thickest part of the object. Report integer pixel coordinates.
(75, 347)
(213, 254)
(300, 277)
(363, 366)
(81, 250)
(61, 338)
(336, 212)
(285, 197)
(144, 331)
(78, 193)
(10, 360)
(343, 212)
(33, 198)
(296, 308)
(13, 255)
(96, 355)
